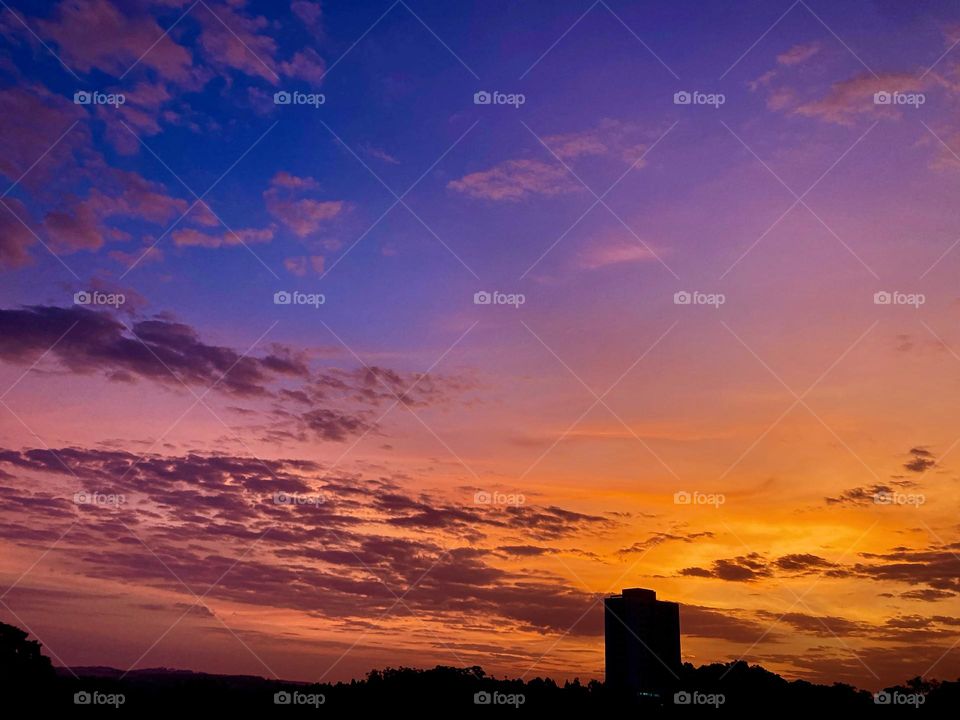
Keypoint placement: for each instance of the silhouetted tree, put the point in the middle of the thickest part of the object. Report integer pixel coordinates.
(22, 665)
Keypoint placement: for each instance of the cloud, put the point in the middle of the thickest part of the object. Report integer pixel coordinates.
(526, 550)
(330, 403)
(95, 34)
(935, 567)
(852, 97)
(820, 625)
(82, 224)
(309, 13)
(700, 621)
(306, 64)
(232, 40)
(762, 81)
(376, 385)
(745, 568)
(302, 265)
(189, 237)
(920, 460)
(520, 178)
(335, 426)
(380, 154)
(32, 120)
(283, 179)
(660, 538)
(802, 562)
(330, 559)
(304, 216)
(515, 180)
(867, 495)
(148, 254)
(609, 137)
(781, 98)
(616, 251)
(927, 595)
(15, 236)
(141, 113)
(798, 53)
(155, 349)
(754, 566)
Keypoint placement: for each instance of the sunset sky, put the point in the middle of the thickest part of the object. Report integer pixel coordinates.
(203, 477)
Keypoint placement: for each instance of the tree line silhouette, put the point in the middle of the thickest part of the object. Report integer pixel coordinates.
(29, 680)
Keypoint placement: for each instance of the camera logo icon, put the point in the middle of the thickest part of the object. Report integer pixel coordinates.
(82, 698)
(682, 698)
(482, 497)
(482, 97)
(882, 298)
(281, 97)
(882, 698)
(82, 97)
(482, 698)
(681, 497)
(682, 297)
(682, 97)
(482, 297)
(282, 698)
(82, 298)
(882, 97)
(282, 297)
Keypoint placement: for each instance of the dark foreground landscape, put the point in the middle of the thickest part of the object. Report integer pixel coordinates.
(31, 682)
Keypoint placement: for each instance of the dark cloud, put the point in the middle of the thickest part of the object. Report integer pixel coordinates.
(525, 550)
(866, 495)
(323, 549)
(821, 625)
(375, 385)
(927, 595)
(744, 568)
(15, 237)
(85, 341)
(754, 566)
(333, 425)
(936, 567)
(920, 460)
(659, 538)
(699, 621)
(173, 354)
(802, 562)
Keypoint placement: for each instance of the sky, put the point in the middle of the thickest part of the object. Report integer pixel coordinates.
(339, 335)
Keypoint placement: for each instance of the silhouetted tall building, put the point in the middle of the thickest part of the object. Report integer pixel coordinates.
(642, 637)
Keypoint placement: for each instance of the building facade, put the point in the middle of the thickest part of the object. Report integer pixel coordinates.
(642, 636)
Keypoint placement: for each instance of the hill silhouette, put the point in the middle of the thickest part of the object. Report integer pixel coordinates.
(731, 686)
